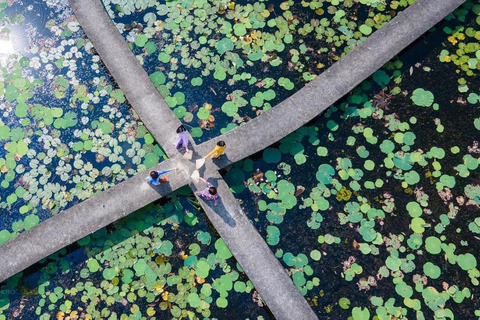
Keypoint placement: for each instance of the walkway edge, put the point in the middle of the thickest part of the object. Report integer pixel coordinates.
(127, 72)
(254, 255)
(83, 219)
(334, 83)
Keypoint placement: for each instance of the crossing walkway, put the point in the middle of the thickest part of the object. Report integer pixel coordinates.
(248, 247)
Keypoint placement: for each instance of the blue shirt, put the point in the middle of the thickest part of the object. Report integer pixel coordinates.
(157, 181)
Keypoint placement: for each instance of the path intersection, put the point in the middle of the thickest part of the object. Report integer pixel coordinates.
(249, 248)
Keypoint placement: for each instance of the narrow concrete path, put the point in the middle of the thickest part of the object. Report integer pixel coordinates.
(83, 219)
(261, 132)
(254, 255)
(127, 72)
(249, 248)
(334, 83)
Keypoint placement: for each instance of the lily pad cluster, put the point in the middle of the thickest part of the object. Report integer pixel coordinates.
(385, 221)
(66, 131)
(155, 263)
(233, 61)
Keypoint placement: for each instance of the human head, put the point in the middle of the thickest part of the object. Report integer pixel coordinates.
(212, 191)
(221, 143)
(181, 129)
(154, 174)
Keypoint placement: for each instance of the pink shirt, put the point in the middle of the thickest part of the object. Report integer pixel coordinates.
(206, 194)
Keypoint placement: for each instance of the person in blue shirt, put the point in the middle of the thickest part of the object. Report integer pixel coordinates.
(156, 176)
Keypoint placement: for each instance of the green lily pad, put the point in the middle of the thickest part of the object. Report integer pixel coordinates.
(230, 108)
(433, 245)
(194, 299)
(466, 261)
(224, 45)
(93, 265)
(344, 303)
(431, 270)
(109, 273)
(271, 155)
(222, 249)
(414, 209)
(140, 40)
(360, 313)
(417, 225)
(273, 235)
(423, 98)
(202, 269)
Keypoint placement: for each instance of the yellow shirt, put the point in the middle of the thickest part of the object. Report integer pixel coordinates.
(216, 152)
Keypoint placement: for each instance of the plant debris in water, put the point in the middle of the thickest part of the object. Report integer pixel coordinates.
(221, 63)
(66, 132)
(374, 208)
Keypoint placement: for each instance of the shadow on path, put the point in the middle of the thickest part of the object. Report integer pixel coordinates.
(219, 209)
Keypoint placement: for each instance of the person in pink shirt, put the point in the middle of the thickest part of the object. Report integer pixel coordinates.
(209, 193)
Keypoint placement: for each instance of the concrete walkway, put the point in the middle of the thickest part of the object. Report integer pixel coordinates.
(334, 83)
(254, 255)
(83, 219)
(249, 248)
(127, 72)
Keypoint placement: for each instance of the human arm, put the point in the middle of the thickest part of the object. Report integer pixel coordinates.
(207, 183)
(165, 171)
(214, 151)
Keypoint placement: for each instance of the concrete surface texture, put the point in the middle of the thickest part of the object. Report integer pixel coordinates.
(248, 247)
(127, 72)
(334, 83)
(83, 219)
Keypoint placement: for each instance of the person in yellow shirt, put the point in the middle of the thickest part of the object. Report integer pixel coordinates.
(214, 154)
(217, 151)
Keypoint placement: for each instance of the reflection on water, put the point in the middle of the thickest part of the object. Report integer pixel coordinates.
(6, 47)
(66, 132)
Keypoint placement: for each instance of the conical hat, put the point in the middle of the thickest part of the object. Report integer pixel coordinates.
(199, 163)
(195, 176)
(188, 155)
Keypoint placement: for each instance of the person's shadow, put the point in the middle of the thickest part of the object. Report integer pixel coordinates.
(163, 188)
(219, 209)
(222, 161)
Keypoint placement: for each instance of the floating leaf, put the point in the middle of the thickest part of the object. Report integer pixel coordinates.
(222, 250)
(140, 40)
(224, 45)
(93, 265)
(422, 97)
(230, 108)
(273, 235)
(109, 273)
(431, 270)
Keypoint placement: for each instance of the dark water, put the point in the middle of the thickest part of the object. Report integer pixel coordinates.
(66, 131)
(170, 237)
(318, 39)
(331, 237)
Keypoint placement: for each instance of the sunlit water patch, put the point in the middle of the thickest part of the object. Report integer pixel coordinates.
(66, 132)
(161, 262)
(219, 64)
(373, 209)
